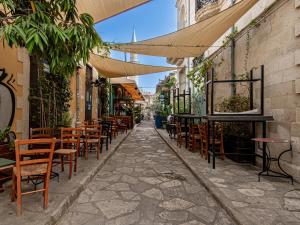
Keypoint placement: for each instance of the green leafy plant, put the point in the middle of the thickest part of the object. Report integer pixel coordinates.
(51, 31)
(137, 114)
(4, 136)
(65, 120)
(235, 103)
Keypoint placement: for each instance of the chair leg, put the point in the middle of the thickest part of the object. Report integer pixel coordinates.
(75, 166)
(222, 151)
(106, 143)
(46, 192)
(98, 151)
(13, 188)
(62, 163)
(19, 197)
(71, 165)
(86, 150)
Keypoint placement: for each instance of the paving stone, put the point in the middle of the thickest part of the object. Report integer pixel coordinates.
(252, 192)
(170, 184)
(104, 195)
(239, 204)
(150, 180)
(175, 215)
(292, 204)
(132, 218)
(206, 214)
(85, 208)
(119, 187)
(176, 204)
(154, 193)
(193, 222)
(114, 208)
(129, 195)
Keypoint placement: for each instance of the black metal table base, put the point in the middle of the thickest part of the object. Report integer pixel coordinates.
(267, 172)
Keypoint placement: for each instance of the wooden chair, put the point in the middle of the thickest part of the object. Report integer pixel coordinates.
(180, 135)
(92, 134)
(203, 130)
(27, 166)
(41, 133)
(69, 148)
(194, 137)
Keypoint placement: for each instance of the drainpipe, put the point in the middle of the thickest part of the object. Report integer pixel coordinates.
(233, 85)
(78, 96)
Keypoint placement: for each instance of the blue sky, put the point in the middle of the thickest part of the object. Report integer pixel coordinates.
(155, 18)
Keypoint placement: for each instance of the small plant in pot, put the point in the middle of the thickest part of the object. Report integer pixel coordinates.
(6, 144)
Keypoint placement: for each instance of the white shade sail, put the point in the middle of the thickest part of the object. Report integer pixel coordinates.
(112, 68)
(103, 9)
(191, 41)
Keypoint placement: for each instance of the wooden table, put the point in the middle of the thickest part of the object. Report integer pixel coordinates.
(212, 119)
(5, 164)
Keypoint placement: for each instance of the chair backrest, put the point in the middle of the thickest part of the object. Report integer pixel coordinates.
(41, 133)
(70, 138)
(203, 130)
(178, 128)
(26, 157)
(92, 131)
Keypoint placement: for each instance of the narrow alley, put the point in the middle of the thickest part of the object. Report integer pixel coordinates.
(144, 183)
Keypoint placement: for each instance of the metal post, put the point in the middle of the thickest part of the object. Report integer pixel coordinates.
(183, 101)
(262, 91)
(212, 92)
(251, 90)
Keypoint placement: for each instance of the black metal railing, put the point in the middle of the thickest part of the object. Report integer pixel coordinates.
(201, 3)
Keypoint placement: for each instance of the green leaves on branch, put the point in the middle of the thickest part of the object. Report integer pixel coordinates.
(198, 74)
(50, 30)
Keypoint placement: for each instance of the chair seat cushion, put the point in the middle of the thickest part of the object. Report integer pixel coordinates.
(29, 170)
(65, 151)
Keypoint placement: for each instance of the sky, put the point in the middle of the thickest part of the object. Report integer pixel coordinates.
(158, 17)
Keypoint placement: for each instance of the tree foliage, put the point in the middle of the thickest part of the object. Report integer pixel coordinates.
(51, 30)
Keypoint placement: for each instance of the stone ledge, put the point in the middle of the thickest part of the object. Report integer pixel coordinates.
(297, 57)
(297, 4)
(297, 30)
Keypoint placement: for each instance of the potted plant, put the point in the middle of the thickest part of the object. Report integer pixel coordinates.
(6, 144)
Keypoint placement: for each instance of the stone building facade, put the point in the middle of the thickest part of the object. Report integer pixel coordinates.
(269, 35)
(185, 17)
(16, 63)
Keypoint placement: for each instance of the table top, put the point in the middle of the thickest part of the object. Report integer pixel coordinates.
(188, 116)
(6, 162)
(238, 118)
(270, 140)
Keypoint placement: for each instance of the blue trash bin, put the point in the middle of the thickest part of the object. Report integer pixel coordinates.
(158, 121)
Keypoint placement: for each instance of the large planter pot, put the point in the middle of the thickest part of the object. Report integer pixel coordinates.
(6, 153)
(241, 150)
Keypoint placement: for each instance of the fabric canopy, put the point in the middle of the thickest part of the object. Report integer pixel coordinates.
(133, 91)
(103, 9)
(191, 41)
(112, 68)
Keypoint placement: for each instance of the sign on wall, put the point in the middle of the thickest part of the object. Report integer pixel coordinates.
(7, 99)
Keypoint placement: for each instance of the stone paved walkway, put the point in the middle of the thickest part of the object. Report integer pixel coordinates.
(144, 183)
(272, 201)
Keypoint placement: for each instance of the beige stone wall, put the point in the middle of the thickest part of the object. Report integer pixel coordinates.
(274, 43)
(16, 63)
(82, 96)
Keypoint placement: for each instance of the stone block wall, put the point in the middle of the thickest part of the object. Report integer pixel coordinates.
(275, 43)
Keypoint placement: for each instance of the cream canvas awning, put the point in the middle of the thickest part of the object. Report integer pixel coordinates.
(112, 68)
(104, 9)
(191, 41)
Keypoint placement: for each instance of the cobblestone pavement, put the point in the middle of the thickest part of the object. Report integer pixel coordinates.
(145, 183)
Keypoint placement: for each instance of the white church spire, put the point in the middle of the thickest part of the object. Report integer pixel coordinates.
(133, 56)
